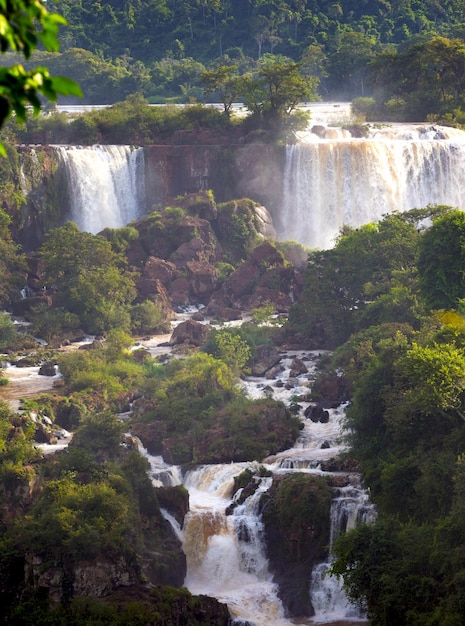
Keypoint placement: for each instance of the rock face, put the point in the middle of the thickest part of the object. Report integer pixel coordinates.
(296, 514)
(263, 279)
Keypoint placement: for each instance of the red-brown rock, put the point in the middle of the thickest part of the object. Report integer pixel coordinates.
(191, 332)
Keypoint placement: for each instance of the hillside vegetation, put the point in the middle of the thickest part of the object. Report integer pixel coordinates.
(398, 60)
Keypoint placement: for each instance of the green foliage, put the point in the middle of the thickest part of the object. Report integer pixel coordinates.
(52, 324)
(100, 432)
(342, 285)
(7, 331)
(191, 387)
(424, 80)
(82, 521)
(276, 89)
(441, 261)
(107, 372)
(247, 430)
(231, 349)
(92, 278)
(224, 82)
(237, 228)
(12, 263)
(23, 25)
(407, 423)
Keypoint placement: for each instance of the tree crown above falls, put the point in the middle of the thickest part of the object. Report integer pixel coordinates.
(24, 24)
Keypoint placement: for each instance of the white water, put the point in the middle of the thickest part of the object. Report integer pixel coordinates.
(335, 181)
(225, 553)
(106, 185)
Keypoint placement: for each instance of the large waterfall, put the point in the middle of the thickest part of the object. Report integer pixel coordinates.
(106, 185)
(338, 180)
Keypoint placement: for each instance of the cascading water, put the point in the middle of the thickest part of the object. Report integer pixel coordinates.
(106, 185)
(224, 544)
(349, 508)
(332, 182)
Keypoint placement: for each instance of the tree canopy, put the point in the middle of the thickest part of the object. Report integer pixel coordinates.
(23, 25)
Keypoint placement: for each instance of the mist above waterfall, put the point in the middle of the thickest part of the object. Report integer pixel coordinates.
(106, 185)
(333, 182)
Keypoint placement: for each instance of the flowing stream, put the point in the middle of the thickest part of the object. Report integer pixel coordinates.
(225, 554)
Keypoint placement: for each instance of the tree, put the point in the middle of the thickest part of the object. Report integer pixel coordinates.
(12, 263)
(223, 81)
(93, 280)
(23, 25)
(441, 264)
(277, 88)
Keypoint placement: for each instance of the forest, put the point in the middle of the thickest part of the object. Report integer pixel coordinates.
(387, 303)
(401, 60)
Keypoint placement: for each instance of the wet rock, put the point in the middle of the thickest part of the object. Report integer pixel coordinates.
(265, 358)
(296, 513)
(298, 367)
(175, 500)
(198, 317)
(317, 414)
(319, 130)
(265, 222)
(47, 369)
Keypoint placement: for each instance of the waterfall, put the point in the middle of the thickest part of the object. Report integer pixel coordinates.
(350, 507)
(225, 553)
(329, 183)
(106, 185)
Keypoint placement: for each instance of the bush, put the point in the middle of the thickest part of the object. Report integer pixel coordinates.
(148, 317)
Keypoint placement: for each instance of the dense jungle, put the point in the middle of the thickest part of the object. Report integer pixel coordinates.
(84, 538)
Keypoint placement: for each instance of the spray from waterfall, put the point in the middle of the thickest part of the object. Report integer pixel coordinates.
(106, 185)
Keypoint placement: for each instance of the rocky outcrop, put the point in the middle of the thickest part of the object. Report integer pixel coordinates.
(296, 513)
(263, 279)
(236, 432)
(96, 578)
(265, 357)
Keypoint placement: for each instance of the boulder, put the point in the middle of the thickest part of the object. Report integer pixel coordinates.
(47, 369)
(159, 269)
(194, 250)
(190, 332)
(241, 282)
(265, 358)
(202, 277)
(317, 414)
(298, 367)
(319, 130)
(265, 256)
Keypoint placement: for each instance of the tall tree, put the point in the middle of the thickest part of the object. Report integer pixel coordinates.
(442, 262)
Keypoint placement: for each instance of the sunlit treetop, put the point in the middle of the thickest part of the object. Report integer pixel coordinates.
(24, 25)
